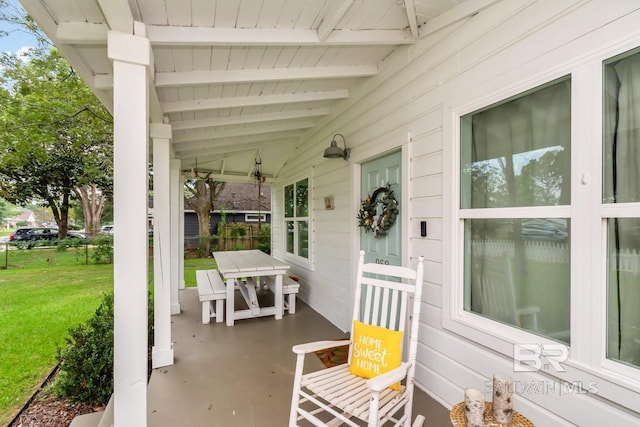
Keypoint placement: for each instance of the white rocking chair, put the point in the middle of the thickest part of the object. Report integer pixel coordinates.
(333, 396)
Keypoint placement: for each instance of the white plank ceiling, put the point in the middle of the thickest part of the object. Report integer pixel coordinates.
(240, 79)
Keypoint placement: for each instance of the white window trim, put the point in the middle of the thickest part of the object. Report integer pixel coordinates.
(616, 381)
(294, 258)
(253, 217)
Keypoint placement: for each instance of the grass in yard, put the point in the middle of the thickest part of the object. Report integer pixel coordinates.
(193, 264)
(43, 294)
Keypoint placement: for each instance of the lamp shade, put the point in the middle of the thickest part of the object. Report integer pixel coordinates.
(333, 151)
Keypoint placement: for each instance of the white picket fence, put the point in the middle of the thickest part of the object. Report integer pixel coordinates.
(629, 261)
(551, 252)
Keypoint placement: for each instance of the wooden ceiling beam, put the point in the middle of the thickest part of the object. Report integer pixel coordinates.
(250, 101)
(118, 15)
(192, 148)
(189, 78)
(200, 36)
(332, 18)
(87, 33)
(248, 119)
(193, 78)
(204, 135)
(410, 8)
(223, 151)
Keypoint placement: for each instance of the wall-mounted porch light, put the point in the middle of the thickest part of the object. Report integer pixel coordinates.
(335, 152)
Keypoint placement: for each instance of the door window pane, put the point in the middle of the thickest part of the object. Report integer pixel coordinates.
(517, 153)
(517, 272)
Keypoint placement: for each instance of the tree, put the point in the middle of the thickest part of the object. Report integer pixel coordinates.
(203, 191)
(93, 202)
(57, 138)
(5, 209)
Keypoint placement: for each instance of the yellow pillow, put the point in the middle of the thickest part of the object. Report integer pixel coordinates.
(375, 351)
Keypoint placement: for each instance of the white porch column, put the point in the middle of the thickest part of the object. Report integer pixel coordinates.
(176, 195)
(181, 234)
(162, 352)
(131, 56)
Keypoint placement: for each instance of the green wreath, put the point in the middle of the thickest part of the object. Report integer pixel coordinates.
(378, 222)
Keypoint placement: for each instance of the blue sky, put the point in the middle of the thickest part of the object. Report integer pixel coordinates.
(17, 39)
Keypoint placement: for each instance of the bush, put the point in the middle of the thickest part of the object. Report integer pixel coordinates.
(86, 370)
(86, 364)
(264, 239)
(206, 245)
(103, 250)
(69, 242)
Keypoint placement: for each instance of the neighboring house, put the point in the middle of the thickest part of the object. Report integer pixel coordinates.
(506, 129)
(25, 217)
(239, 202)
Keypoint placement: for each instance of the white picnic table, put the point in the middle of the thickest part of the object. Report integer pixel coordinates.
(250, 265)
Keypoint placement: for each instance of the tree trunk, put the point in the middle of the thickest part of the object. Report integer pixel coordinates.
(93, 201)
(60, 214)
(202, 205)
(204, 191)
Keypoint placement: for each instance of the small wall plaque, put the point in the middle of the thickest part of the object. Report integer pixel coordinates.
(328, 203)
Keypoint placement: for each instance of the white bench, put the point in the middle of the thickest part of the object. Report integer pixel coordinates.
(289, 290)
(211, 288)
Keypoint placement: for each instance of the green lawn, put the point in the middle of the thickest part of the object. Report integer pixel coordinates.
(193, 264)
(43, 293)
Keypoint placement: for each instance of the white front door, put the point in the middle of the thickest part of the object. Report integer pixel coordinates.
(382, 172)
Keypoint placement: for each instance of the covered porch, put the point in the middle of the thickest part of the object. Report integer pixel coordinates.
(241, 375)
(220, 87)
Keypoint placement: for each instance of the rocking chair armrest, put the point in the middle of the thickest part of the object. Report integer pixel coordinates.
(382, 381)
(311, 347)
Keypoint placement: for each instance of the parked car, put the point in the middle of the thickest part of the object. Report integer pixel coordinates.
(37, 234)
(20, 235)
(72, 234)
(107, 229)
(28, 237)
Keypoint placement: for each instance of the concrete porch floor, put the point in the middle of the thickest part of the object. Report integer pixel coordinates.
(241, 375)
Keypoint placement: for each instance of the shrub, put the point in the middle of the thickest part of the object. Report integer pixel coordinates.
(64, 244)
(205, 245)
(86, 370)
(86, 364)
(264, 239)
(103, 250)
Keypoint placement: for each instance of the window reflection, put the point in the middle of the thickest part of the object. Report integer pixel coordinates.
(517, 153)
(517, 272)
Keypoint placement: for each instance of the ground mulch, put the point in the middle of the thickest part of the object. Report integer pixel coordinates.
(47, 410)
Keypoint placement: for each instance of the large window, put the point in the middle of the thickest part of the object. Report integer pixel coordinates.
(296, 217)
(546, 221)
(515, 156)
(621, 194)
